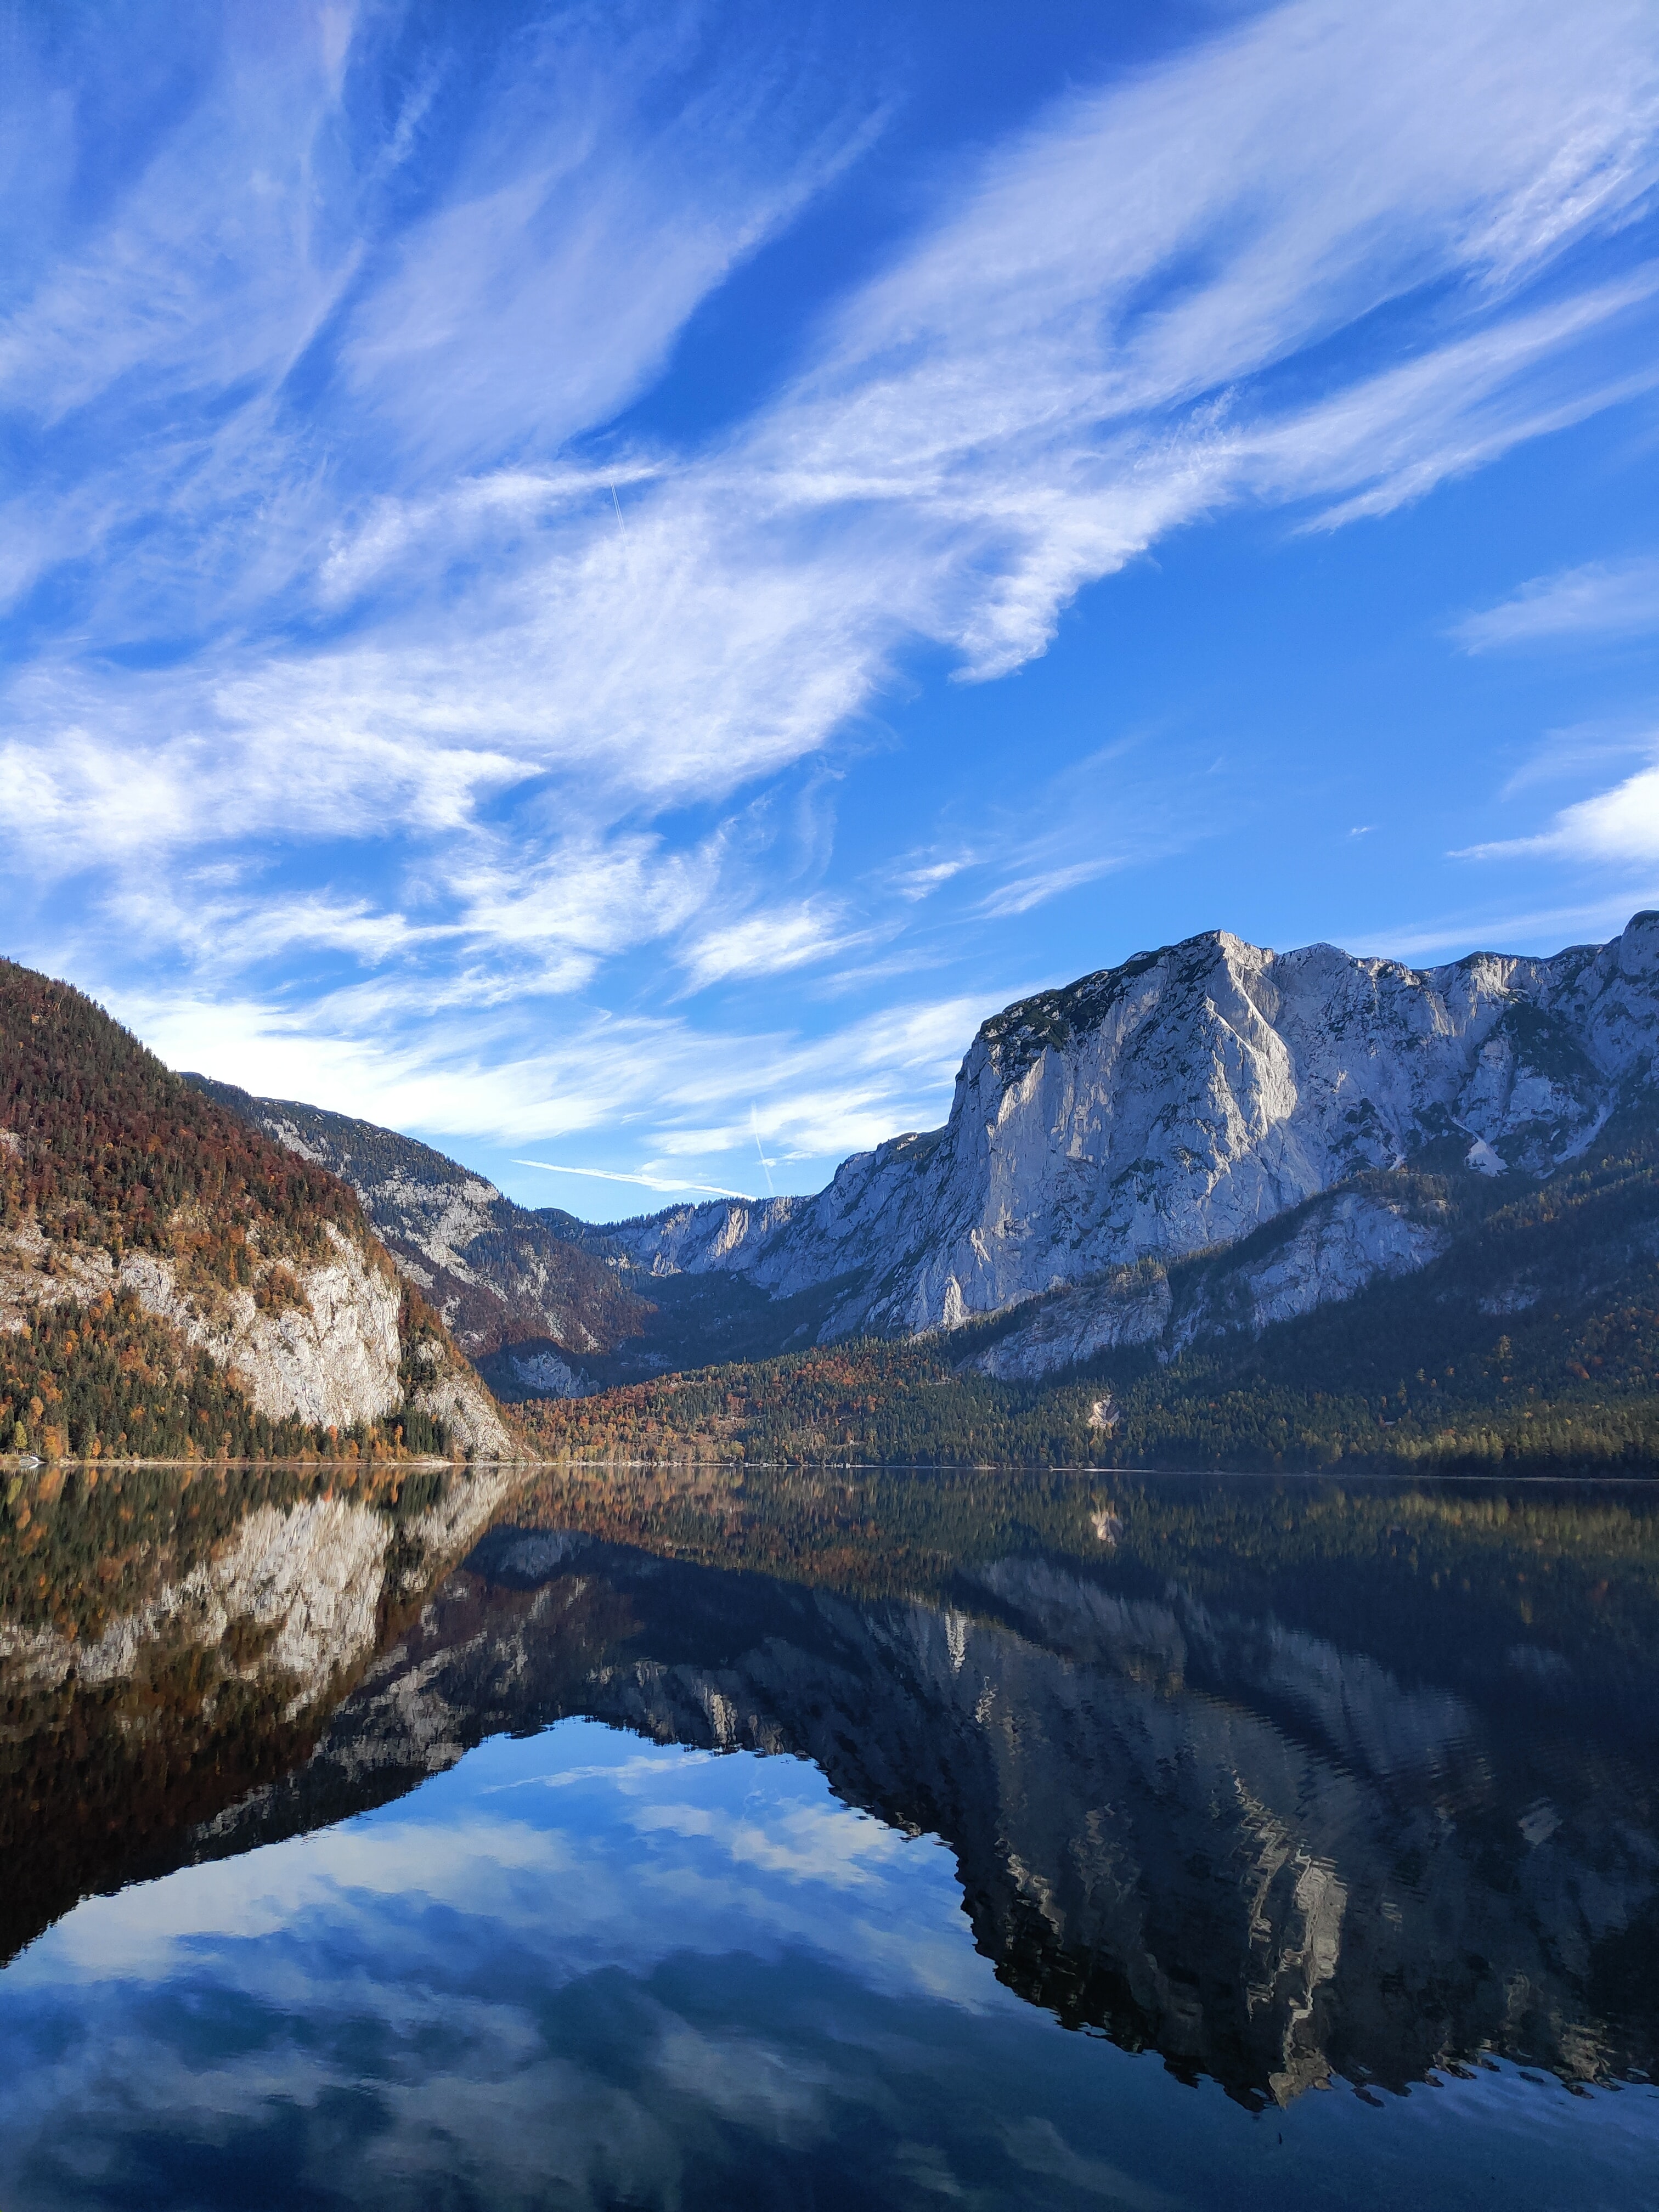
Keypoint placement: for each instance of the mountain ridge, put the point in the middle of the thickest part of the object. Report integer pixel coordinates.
(1275, 1115)
(498, 1273)
(542, 1303)
(1181, 1100)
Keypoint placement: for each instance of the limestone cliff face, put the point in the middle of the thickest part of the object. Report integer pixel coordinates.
(465, 1410)
(1319, 1253)
(330, 1358)
(1180, 1104)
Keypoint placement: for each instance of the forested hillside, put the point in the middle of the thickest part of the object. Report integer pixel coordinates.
(1533, 1344)
(173, 1285)
(102, 1143)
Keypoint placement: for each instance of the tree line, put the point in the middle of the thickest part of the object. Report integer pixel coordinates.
(102, 1144)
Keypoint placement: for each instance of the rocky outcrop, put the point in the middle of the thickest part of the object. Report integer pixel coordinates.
(329, 1356)
(498, 1273)
(1178, 1103)
(1323, 1252)
(463, 1410)
(329, 1359)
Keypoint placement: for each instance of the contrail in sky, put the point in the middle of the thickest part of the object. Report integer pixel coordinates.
(766, 1166)
(651, 1183)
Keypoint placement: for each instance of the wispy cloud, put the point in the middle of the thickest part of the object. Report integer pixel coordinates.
(330, 439)
(667, 1087)
(1603, 599)
(1021, 893)
(1503, 929)
(769, 944)
(645, 1182)
(1622, 824)
(576, 267)
(919, 876)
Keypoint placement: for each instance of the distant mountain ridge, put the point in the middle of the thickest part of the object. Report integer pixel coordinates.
(1182, 1102)
(1212, 1098)
(500, 1273)
(545, 1305)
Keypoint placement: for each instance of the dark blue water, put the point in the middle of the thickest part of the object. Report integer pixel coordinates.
(619, 1881)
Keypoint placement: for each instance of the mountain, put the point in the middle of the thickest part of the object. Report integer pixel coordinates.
(1531, 1347)
(1194, 1147)
(1180, 1104)
(172, 1283)
(499, 1274)
(545, 1305)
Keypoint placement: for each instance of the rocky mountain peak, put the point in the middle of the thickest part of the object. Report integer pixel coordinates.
(1192, 1099)
(1186, 1097)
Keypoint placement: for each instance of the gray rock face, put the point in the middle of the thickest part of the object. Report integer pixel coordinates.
(497, 1273)
(330, 1358)
(1326, 1250)
(1180, 1103)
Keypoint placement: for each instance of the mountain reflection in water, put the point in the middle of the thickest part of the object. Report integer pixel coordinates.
(1282, 1783)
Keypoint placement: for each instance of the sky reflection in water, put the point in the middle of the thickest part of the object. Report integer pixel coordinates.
(622, 1877)
(579, 1969)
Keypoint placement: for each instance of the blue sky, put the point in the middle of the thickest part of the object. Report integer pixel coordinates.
(600, 583)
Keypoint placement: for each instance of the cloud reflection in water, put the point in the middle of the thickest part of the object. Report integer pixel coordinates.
(579, 1971)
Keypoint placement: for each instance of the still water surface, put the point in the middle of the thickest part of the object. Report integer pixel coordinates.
(1151, 1844)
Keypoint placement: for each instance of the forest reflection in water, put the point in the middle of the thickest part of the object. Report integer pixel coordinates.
(1282, 1784)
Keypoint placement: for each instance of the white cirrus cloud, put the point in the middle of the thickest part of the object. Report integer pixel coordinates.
(400, 653)
(1452, 935)
(773, 942)
(505, 1074)
(1601, 599)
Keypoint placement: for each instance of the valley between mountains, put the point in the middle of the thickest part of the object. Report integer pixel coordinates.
(1215, 1205)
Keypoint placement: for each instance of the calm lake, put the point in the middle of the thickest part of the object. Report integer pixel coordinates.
(989, 1839)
